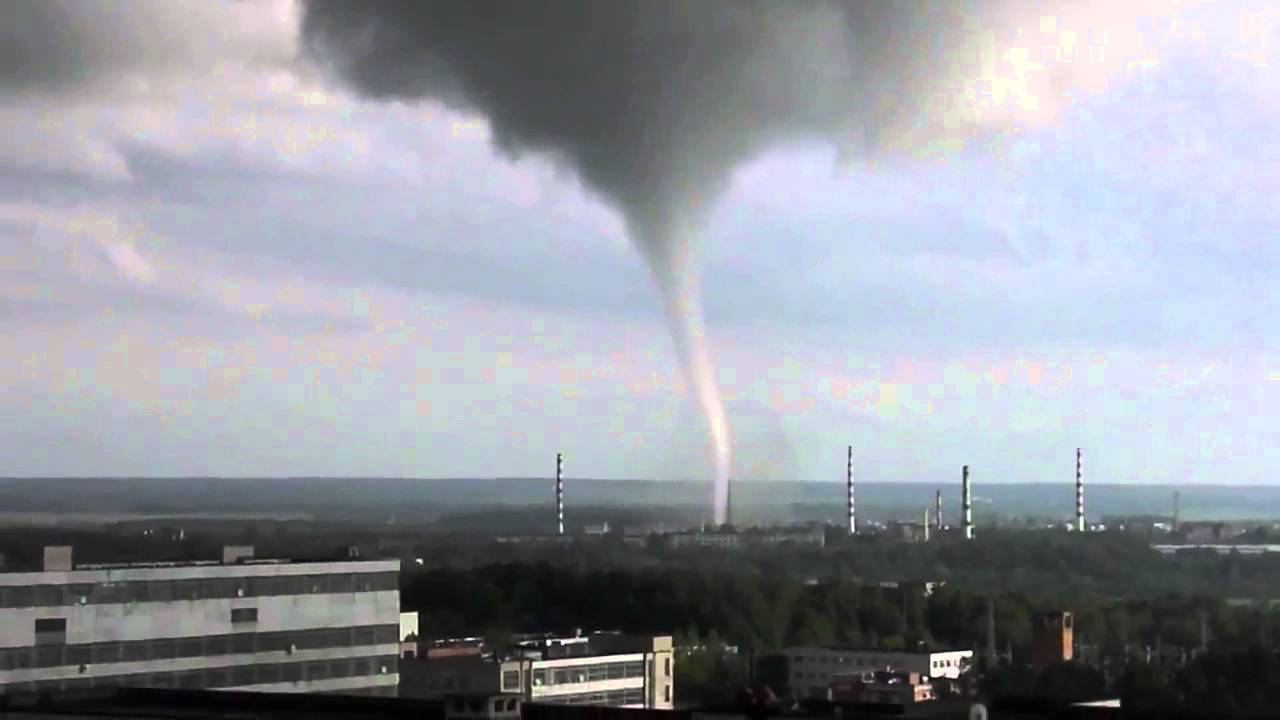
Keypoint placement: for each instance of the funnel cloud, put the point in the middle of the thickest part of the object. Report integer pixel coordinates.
(652, 104)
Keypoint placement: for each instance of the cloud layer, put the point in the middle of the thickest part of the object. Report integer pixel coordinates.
(238, 267)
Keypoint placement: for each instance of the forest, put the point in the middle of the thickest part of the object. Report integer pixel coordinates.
(1161, 651)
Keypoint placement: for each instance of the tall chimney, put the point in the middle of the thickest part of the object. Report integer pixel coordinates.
(966, 503)
(937, 511)
(1080, 525)
(559, 494)
(853, 521)
(925, 525)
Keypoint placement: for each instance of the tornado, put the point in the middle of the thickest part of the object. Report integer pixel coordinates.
(652, 104)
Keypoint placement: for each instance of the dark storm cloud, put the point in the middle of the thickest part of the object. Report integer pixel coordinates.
(66, 46)
(651, 103)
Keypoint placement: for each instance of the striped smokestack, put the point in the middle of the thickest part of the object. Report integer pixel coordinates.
(848, 479)
(559, 494)
(1080, 526)
(966, 503)
(937, 511)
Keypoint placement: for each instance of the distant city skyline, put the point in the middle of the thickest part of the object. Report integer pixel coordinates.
(217, 261)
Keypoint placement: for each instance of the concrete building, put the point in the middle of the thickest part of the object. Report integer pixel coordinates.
(600, 669)
(409, 635)
(812, 670)
(264, 625)
(1054, 639)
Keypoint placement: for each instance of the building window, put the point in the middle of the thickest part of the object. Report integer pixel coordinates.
(51, 625)
(244, 615)
(539, 678)
(667, 693)
(667, 667)
(511, 680)
(51, 630)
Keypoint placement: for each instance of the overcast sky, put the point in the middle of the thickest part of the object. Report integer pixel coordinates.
(216, 259)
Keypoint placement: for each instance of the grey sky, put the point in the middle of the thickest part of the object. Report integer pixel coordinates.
(216, 259)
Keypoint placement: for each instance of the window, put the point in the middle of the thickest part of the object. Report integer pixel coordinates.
(217, 677)
(386, 634)
(242, 643)
(51, 625)
(268, 674)
(244, 615)
(160, 591)
(216, 645)
(667, 693)
(133, 652)
(18, 596)
(49, 656)
(667, 667)
(364, 636)
(162, 649)
(318, 670)
(539, 678)
(107, 652)
(511, 680)
(241, 676)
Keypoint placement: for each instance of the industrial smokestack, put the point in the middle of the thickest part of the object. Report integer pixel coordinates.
(937, 511)
(559, 494)
(966, 503)
(1080, 525)
(848, 479)
(925, 525)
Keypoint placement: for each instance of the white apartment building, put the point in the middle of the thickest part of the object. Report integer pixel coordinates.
(601, 669)
(243, 624)
(811, 670)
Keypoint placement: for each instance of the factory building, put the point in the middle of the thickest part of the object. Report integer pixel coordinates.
(600, 669)
(243, 624)
(812, 670)
(1054, 641)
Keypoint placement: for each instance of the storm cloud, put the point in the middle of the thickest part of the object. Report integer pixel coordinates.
(654, 104)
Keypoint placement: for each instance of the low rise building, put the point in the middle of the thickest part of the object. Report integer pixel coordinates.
(882, 688)
(812, 670)
(242, 623)
(409, 635)
(499, 706)
(599, 669)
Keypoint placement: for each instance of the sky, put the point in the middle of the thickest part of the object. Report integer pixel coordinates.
(216, 258)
